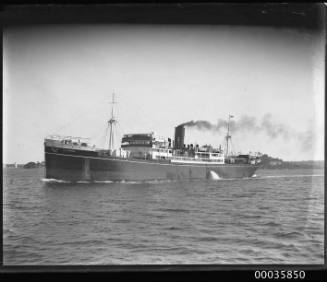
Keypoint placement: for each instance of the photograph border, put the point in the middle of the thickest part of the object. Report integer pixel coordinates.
(248, 14)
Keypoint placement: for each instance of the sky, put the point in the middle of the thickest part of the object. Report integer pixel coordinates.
(59, 79)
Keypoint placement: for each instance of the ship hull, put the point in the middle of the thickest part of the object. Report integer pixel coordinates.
(73, 166)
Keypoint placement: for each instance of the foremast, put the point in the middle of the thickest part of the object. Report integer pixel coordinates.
(111, 122)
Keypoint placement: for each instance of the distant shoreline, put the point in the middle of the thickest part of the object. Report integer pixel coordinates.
(279, 164)
(27, 165)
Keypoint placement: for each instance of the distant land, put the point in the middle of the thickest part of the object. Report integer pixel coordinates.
(27, 165)
(267, 162)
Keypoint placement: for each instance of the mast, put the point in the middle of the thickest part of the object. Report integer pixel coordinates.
(228, 136)
(111, 122)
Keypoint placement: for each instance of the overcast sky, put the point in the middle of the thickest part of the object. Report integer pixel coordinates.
(59, 79)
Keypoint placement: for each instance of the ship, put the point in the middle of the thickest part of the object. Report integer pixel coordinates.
(142, 157)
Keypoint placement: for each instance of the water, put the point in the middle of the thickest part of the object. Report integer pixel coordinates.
(275, 218)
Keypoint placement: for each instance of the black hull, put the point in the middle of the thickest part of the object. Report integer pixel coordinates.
(73, 166)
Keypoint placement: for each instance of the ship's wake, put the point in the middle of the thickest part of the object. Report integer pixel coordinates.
(153, 181)
(162, 181)
(53, 180)
(214, 176)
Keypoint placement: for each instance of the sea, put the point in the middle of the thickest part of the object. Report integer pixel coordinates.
(276, 217)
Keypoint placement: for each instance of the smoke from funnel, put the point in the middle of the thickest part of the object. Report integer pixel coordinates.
(205, 125)
(248, 124)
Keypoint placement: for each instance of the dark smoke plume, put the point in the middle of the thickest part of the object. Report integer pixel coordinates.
(248, 124)
(205, 125)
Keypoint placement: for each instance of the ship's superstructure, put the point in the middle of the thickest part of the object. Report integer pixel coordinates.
(143, 156)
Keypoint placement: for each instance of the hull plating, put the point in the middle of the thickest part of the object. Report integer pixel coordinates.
(76, 167)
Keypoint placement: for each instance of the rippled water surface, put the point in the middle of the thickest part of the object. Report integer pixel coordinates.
(275, 218)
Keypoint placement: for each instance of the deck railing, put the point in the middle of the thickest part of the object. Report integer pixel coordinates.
(182, 158)
(62, 137)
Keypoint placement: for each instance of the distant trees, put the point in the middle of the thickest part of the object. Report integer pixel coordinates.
(271, 163)
(33, 164)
